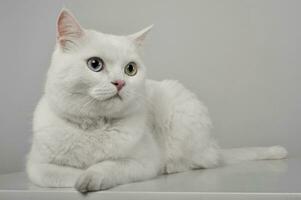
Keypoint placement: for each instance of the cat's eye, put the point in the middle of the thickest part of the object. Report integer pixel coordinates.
(95, 64)
(131, 69)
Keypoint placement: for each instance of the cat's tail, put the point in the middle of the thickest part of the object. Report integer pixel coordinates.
(235, 155)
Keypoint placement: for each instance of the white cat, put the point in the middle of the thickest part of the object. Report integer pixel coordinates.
(101, 123)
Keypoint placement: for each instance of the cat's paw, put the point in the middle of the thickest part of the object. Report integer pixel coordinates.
(90, 181)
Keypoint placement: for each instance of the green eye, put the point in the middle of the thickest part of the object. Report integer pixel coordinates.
(131, 69)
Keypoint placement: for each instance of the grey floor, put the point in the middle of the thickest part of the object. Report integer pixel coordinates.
(274, 179)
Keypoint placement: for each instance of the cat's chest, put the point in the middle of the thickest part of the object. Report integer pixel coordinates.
(79, 148)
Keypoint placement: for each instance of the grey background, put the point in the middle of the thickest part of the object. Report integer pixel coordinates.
(242, 58)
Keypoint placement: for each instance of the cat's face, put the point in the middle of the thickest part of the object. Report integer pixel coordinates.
(95, 74)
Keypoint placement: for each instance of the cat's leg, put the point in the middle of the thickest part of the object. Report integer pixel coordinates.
(50, 175)
(142, 163)
(184, 124)
(110, 173)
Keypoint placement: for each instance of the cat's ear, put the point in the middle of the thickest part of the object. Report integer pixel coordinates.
(68, 29)
(139, 37)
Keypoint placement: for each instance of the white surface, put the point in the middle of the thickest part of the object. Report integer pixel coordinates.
(278, 179)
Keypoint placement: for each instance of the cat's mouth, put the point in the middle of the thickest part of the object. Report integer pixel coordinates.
(105, 96)
(115, 96)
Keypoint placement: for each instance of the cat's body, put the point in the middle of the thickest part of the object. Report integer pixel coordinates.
(95, 129)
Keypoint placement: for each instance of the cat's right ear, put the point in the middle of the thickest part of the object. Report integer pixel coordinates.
(68, 30)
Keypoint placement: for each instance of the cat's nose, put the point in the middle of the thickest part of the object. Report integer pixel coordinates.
(119, 84)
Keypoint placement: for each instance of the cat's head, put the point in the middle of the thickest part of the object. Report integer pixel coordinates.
(95, 74)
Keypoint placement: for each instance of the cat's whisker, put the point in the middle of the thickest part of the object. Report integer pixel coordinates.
(104, 93)
(103, 90)
(84, 106)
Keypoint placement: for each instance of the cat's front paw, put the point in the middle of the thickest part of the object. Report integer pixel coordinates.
(90, 181)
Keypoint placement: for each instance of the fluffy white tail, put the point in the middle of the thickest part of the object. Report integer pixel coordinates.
(236, 155)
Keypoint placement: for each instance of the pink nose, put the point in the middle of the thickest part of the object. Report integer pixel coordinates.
(119, 84)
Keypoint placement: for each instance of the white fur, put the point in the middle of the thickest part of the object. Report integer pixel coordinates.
(86, 137)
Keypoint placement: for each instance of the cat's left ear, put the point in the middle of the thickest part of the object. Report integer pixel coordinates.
(68, 29)
(139, 37)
